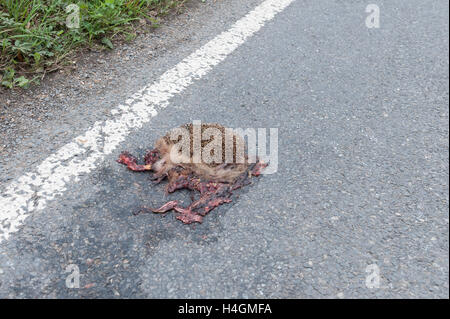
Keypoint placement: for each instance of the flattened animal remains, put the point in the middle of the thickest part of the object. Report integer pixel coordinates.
(212, 183)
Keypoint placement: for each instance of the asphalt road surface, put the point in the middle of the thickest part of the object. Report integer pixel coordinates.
(357, 209)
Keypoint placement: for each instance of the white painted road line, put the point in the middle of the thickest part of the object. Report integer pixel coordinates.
(32, 191)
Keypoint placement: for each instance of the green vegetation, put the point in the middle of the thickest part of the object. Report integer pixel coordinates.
(36, 35)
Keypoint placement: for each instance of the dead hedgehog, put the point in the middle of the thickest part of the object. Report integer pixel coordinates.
(184, 168)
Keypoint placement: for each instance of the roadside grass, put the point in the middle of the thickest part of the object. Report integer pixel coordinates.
(37, 37)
